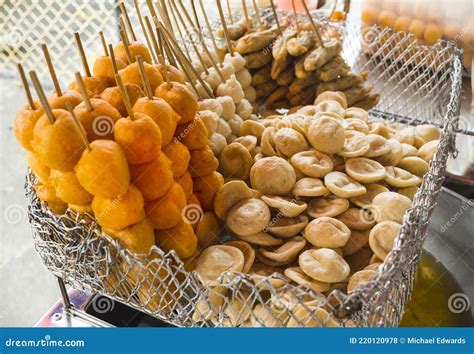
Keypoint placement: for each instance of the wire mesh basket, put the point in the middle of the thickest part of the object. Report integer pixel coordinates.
(417, 85)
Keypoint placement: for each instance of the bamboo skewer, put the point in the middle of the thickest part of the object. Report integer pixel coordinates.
(52, 72)
(26, 87)
(197, 29)
(333, 9)
(152, 10)
(174, 11)
(295, 15)
(188, 17)
(209, 29)
(112, 57)
(272, 3)
(85, 95)
(82, 54)
(79, 127)
(146, 82)
(246, 11)
(224, 27)
(160, 55)
(145, 33)
(42, 97)
(201, 37)
(164, 12)
(181, 64)
(125, 97)
(124, 11)
(167, 49)
(163, 63)
(185, 61)
(257, 15)
(315, 29)
(125, 42)
(229, 10)
(104, 43)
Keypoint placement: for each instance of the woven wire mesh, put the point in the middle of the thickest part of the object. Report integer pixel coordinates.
(417, 84)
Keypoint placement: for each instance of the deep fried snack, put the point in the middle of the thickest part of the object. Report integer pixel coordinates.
(94, 85)
(206, 187)
(103, 170)
(179, 238)
(138, 238)
(202, 162)
(166, 212)
(99, 122)
(163, 115)
(114, 97)
(24, 125)
(179, 156)
(154, 179)
(193, 134)
(68, 188)
(58, 145)
(140, 138)
(131, 75)
(135, 48)
(180, 98)
(283, 176)
(121, 212)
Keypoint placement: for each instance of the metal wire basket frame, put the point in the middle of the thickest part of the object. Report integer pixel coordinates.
(417, 84)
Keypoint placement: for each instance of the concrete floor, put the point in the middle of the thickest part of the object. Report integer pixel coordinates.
(28, 289)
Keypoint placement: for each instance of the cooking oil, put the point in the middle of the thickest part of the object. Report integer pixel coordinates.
(429, 304)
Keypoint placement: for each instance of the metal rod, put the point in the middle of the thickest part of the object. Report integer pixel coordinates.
(64, 294)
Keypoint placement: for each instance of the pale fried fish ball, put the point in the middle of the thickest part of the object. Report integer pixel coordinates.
(211, 104)
(224, 128)
(237, 61)
(217, 143)
(212, 78)
(244, 77)
(227, 70)
(235, 123)
(231, 88)
(210, 120)
(244, 109)
(228, 106)
(250, 94)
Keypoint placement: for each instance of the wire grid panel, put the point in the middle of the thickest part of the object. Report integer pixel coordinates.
(26, 24)
(74, 248)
